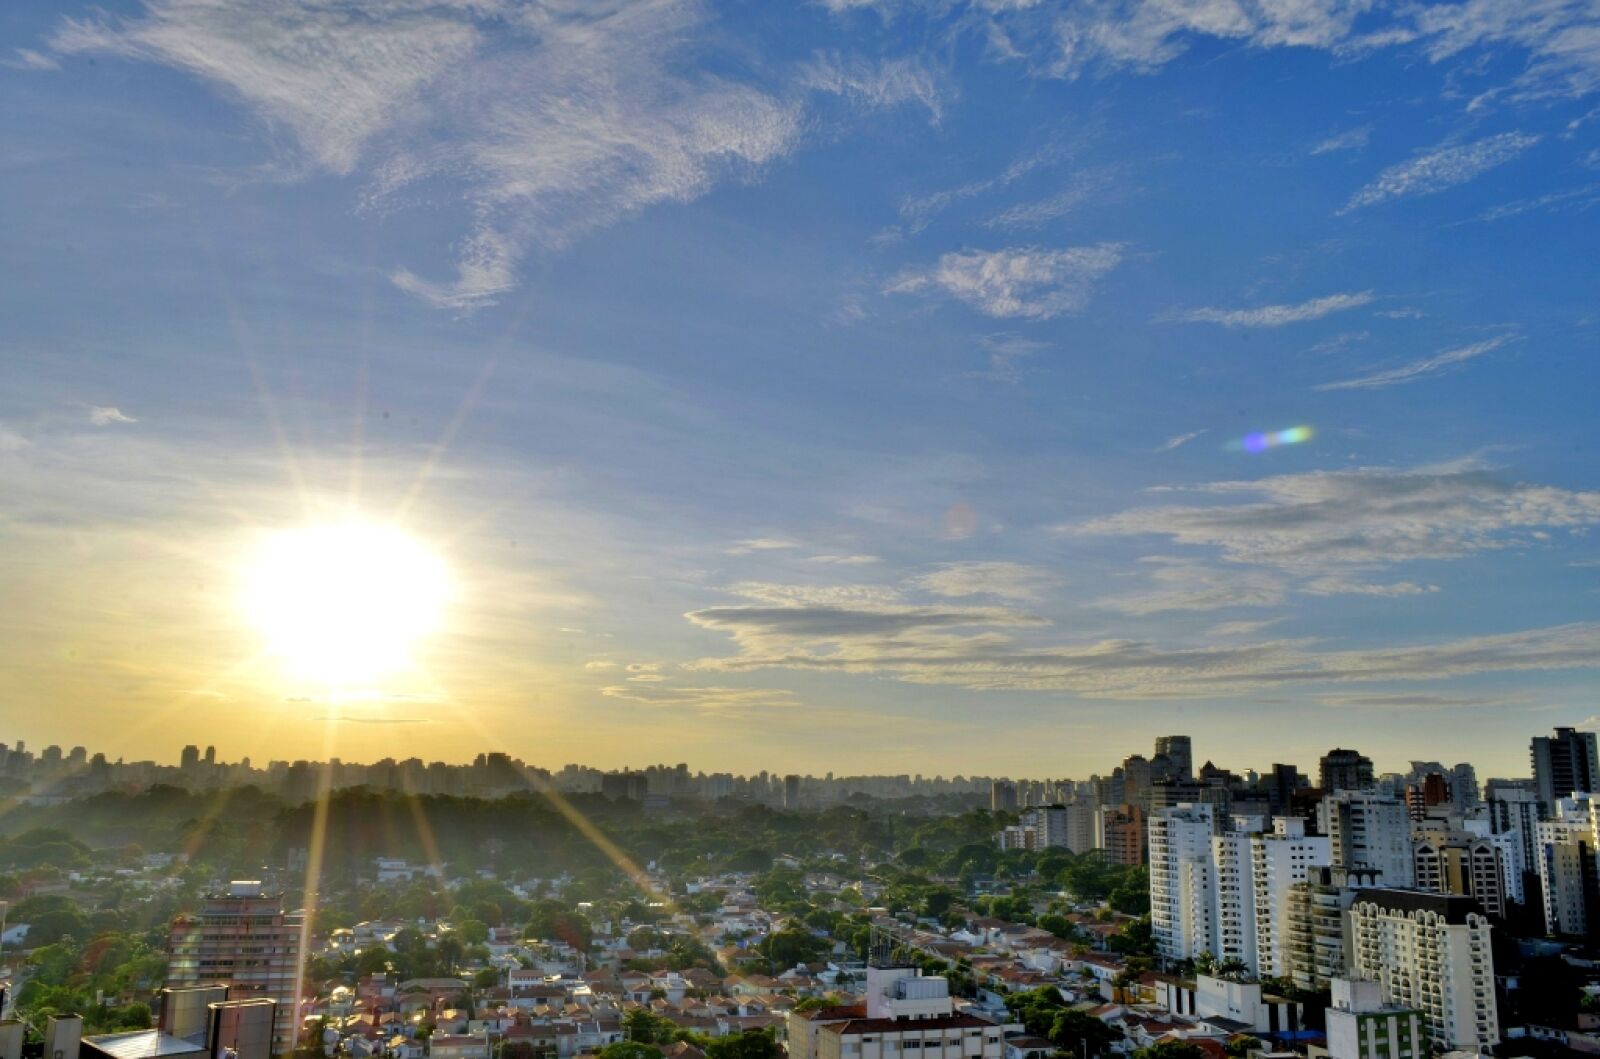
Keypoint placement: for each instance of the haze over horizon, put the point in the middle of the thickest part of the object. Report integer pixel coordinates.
(871, 386)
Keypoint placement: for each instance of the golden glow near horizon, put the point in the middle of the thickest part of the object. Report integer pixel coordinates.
(344, 604)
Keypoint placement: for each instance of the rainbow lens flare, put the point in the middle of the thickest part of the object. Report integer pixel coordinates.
(1271, 440)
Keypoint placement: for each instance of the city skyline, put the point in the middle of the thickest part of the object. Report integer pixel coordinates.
(854, 387)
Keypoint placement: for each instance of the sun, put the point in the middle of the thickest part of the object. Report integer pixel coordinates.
(344, 604)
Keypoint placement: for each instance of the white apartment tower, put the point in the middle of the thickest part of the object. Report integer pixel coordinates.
(1430, 952)
(1280, 859)
(1182, 884)
(1369, 831)
(1565, 861)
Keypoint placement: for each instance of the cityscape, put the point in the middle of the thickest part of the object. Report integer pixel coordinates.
(800, 529)
(494, 910)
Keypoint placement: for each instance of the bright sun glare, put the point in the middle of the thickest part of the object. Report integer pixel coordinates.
(344, 604)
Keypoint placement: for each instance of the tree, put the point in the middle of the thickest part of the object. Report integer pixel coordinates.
(629, 1050)
(646, 1027)
(750, 1044)
(1171, 1049)
(1079, 1033)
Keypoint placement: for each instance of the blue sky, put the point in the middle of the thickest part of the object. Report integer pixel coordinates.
(835, 386)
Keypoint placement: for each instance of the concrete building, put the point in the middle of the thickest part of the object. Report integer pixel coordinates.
(1319, 926)
(1361, 1025)
(1564, 764)
(245, 940)
(1182, 884)
(1179, 752)
(1456, 862)
(1369, 832)
(906, 1012)
(1120, 831)
(1565, 850)
(1002, 796)
(1516, 812)
(1242, 1004)
(1344, 770)
(1430, 952)
(1281, 859)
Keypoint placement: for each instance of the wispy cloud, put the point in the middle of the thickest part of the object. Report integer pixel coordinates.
(1441, 168)
(975, 648)
(1372, 517)
(28, 59)
(545, 121)
(1181, 585)
(106, 415)
(1427, 367)
(1343, 586)
(845, 560)
(1348, 140)
(1005, 580)
(1007, 351)
(1275, 315)
(876, 85)
(762, 544)
(1027, 282)
(1179, 440)
(1579, 198)
(916, 211)
(1079, 190)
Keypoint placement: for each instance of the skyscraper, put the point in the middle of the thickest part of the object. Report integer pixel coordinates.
(1179, 752)
(1564, 764)
(242, 939)
(1344, 770)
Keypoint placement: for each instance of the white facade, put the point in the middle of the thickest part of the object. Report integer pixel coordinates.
(1235, 923)
(1280, 859)
(1565, 848)
(906, 993)
(1429, 952)
(1362, 1026)
(1369, 831)
(1182, 887)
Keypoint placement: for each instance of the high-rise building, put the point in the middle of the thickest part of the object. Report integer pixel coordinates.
(1565, 848)
(245, 940)
(1120, 831)
(791, 791)
(1136, 779)
(1002, 796)
(1318, 952)
(1281, 859)
(1368, 832)
(1280, 785)
(1426, 793)
(1514, 815)
(1182, 883)
(1430, 952)
(1179, 752)
(1344, 770)
(190, 758)
(1564, 764)
(1362, 1026)
(1456, 862)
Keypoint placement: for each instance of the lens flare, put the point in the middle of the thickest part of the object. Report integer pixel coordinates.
(1271, 439)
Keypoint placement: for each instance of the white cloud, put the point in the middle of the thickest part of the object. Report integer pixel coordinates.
(28, 59)
(720, 701)
(1007, 350)
(1579, 198)
(975, 648)
(1420, 369)
(1441, 168)
(1002, 579)
(599, 664)
(1079, 191)
(105, 415)
(1179, 440)
(1027, 282)
(762, 544)
(1276, 315)
(577, 115)
(1348, 140)
(845, 560)
(918, 210)
(1371, 517)
(877, 85)
(1181, 585)
(1341, 586)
